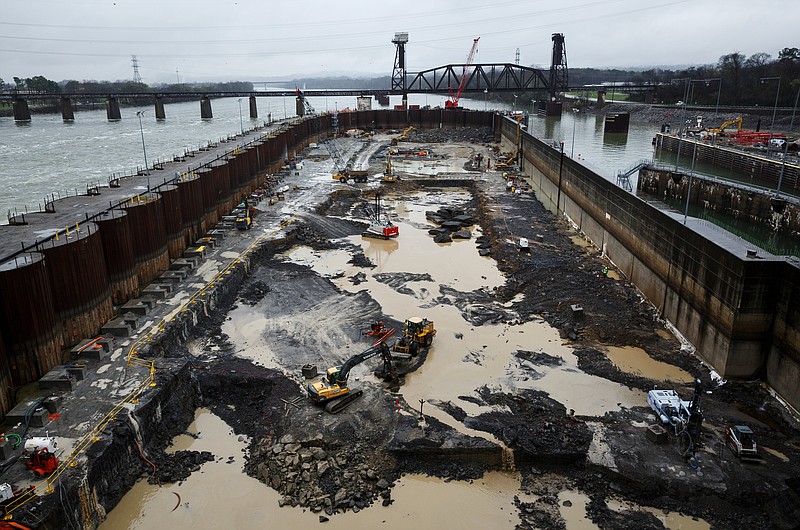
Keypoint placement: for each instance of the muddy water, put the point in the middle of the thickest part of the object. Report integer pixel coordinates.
(572, 505)
(670, 520)
(221, 496)
(636, 361)
(464, 357)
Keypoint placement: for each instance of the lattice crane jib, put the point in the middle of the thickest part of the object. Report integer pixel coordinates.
(399, 71)
(464, 79)
(559, 77)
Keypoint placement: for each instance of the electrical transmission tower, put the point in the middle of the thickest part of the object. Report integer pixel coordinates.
(516, 60)
(135, 62)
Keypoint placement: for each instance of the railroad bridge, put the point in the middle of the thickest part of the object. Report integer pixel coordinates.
(440, 80)
(466, 78)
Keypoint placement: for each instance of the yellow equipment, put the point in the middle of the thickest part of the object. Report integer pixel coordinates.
(402, 136)
(389, 175)
(332, 389)
(721, 129)
(418, 333)
(510, 159)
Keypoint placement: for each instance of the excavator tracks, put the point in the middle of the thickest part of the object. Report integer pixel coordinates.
(339, 404)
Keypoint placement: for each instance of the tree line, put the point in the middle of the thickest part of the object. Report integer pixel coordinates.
(40, 84)
(734, 80)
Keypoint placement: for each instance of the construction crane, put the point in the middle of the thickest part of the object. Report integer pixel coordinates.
(452, 103)
(307, 108)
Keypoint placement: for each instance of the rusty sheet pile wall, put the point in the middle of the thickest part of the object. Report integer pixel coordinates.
(115, 233)
(173, 220)
(740, 312)
(149, 237)
(28, 325)
(79, 283)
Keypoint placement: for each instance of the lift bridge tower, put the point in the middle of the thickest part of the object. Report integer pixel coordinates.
(559, 79)
(399, 71)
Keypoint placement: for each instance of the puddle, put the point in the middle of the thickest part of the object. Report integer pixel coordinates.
(636, 361)
(574, 512)
(221, 496)
(581, 241)
(664, 334)
(670, 520)
(774, 452)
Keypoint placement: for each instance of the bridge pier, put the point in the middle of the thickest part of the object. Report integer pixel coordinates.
(161, 115)
(21, 110)
(205, 108)
(299, 108)
(253, 108)
(112, 109)
(67, 112)
(601, 98)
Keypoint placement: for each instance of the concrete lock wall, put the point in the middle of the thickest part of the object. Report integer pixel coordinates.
(730, 306)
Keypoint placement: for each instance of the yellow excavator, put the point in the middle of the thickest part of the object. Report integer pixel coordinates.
(721, 129)
(418, 333)
(332, 389)
(402, 136)
(389, 175)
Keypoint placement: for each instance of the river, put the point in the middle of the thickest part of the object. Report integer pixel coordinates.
(47, 156)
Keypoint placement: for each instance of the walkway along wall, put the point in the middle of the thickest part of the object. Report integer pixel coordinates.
(740, 312)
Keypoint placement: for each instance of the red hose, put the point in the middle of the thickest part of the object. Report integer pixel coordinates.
(145, 459)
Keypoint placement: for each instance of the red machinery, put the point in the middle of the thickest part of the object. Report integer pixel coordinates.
(453, 101)
(42, 462)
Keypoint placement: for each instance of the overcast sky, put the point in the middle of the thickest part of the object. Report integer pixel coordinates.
(204, 40)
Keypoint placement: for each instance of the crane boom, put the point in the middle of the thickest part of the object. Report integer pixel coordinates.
(453, 101)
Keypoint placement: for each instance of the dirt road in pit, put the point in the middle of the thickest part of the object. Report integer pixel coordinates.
(509, 362)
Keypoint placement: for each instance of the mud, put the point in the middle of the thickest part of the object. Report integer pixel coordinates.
(514, 391)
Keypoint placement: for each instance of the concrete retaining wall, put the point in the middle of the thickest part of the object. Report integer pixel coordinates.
(741, 313)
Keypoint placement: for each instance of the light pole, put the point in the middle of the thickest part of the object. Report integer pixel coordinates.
(241, 123)
(574, 119)
(140, 113)
(786, 143)
(560, 169)
(485, 95)
(683, 117)
(775, 107)
(716, 109)
(284, 106)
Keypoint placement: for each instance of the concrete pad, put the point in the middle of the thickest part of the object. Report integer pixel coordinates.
(173, 276)
(131, 319)
(206, 241)
(216, 234)
(57, 379)
(53, 404)
(78, 371)
(181, 264)
(134, 306)
(155, 291)
(195, 252)
(149, 301)
(38, 418)
(117, 327)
